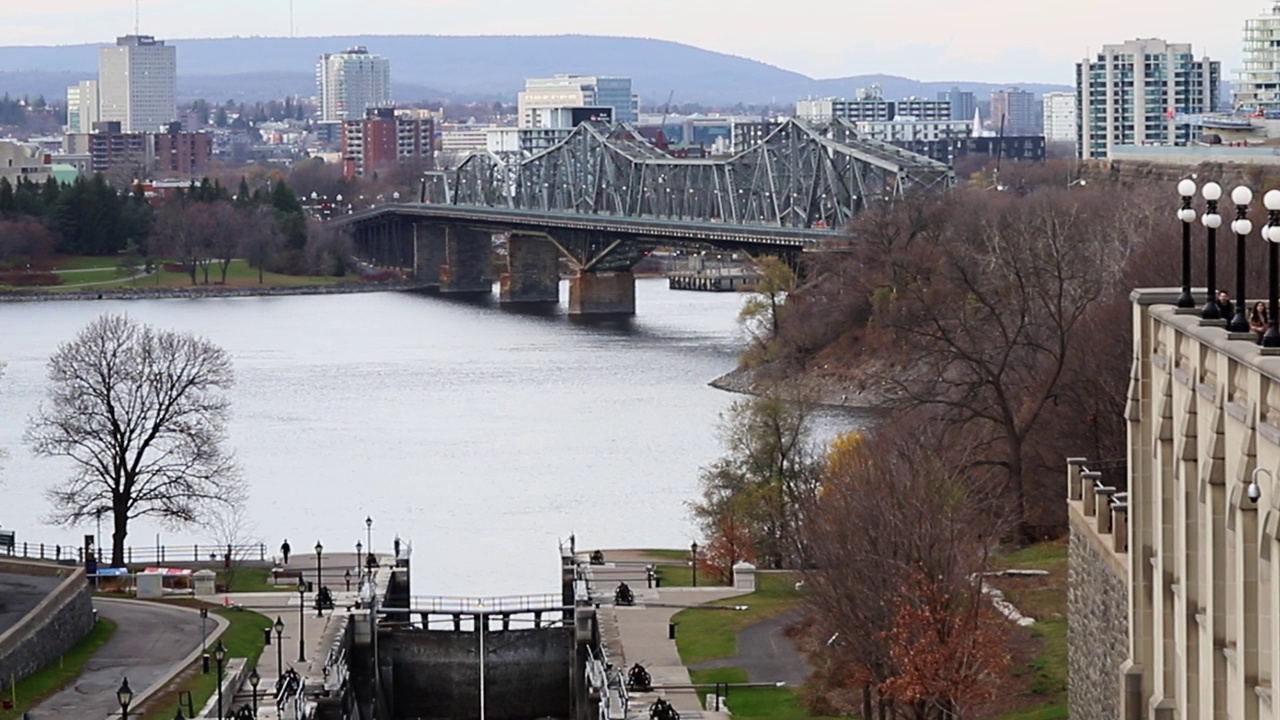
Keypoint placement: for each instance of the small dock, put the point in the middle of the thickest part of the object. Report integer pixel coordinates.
(714, 280)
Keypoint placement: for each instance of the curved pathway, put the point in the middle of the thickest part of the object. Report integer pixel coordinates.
(766, 653)
(151, 642)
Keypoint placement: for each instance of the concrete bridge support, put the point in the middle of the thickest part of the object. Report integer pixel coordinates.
(533, 271)
(467, 266)
(428, 252)
(603, 293)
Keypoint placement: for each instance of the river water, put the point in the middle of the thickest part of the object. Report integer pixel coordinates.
(480, 436)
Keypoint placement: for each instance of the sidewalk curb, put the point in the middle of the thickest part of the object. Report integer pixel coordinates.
(220, 625)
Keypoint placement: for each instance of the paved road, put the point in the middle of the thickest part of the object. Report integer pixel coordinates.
(149, 639)
(766, 653)
(20, 593)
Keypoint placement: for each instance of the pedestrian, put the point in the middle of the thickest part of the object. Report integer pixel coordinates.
(1258, 319)
(395, 546)
(284, 550)
(346, 577)
(1226, 310)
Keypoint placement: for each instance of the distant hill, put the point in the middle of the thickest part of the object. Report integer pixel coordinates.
(466, 68)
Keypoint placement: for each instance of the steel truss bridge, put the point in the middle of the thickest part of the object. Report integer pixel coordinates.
(604, 196)
(802, 176)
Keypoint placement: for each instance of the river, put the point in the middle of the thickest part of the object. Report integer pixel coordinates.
(480, 436)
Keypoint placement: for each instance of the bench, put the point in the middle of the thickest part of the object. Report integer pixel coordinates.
(7, 540)
(285, 576)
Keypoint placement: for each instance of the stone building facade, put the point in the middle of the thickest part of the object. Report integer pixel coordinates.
(1202, 511)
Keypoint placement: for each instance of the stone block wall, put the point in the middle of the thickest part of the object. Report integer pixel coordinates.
(1097, 625)
(52, 628)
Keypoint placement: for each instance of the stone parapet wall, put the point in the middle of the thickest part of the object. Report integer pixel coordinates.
(1097, 627)
(52, 628)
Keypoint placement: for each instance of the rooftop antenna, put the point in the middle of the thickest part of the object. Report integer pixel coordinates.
(291, 18)
(137, 16)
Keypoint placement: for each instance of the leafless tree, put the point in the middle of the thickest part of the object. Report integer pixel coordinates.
(993, 307)
(141, 413)
(183, 230)
(260, 239)
(24, 242)
(228, 226)
(234, 535)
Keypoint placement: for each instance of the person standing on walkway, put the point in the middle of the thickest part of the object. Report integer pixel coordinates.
(284, 550)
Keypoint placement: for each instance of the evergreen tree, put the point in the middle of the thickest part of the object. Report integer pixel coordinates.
(8, 204)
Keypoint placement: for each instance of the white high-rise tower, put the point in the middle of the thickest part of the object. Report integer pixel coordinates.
(351, 82)
(1257, 86)
(138, 83)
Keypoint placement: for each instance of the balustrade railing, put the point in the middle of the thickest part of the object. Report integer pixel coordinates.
(1102, 489)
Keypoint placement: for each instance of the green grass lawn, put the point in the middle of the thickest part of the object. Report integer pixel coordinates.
(668, 554)
(708, 634)
(85, 262)
(1044, 599)
(762, 703)
(255, 579)
(239, 274)
(682, 576)
(243, 639)
(96, 276)
(46, 682)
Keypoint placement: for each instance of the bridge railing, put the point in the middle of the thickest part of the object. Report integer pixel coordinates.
(499, 604)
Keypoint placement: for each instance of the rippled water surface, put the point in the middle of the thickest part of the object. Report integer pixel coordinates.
(479, 435)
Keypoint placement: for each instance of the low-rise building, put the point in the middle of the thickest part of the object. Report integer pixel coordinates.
(909, 129)
(869, 105)
(170, 153)
(385, 141)
(23, 162)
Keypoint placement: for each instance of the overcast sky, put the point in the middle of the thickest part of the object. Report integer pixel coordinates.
(980, 40)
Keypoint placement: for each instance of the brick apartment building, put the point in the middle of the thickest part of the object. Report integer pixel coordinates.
(383, 141)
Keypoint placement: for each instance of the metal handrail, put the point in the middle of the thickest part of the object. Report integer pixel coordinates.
(499, 604)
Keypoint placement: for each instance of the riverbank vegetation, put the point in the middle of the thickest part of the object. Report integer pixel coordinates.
(993, 330)
(197, 230)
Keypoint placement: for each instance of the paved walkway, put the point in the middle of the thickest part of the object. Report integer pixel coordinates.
(638, 634)
(151, 643)
(19, 594)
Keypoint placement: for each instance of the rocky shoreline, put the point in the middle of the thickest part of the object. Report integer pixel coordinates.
(210, 292)
(827, 389)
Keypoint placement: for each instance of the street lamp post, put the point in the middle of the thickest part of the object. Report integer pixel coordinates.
(124, 696)
(694, 553)
(1212, 221)
(279, 646)
(1272, 234)
(1187, 189)
(254, 679)
(219, 657)
(319, 582)
(1241, 226)
(368, 527)
(359, 561)
(302, 606)
(204, 640)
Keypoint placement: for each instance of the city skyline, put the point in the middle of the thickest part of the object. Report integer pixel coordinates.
(981, 40)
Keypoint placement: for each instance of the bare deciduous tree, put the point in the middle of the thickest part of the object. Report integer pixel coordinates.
(994, 307)
(235, 537)
(141, 413)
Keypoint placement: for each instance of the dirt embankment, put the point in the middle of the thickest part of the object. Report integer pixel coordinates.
(825, 384)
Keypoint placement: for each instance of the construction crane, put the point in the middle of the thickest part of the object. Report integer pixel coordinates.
(661, 142)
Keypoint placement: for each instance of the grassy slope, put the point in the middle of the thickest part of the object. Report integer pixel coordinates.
(1044, 599)
(708, 634)
(44, 683)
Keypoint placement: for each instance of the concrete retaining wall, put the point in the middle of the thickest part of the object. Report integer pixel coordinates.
(1097, 630)
(437, 674)
(52, 628)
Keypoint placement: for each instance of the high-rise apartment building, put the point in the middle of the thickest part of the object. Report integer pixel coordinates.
(1059, 117)
(569, 91)
(963, 103)
(351, 82)
(1015, 112)
(138, 83)
(1257, 86)
(82, 106)
(1131, 94)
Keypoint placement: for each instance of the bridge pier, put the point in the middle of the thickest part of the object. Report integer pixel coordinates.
(468, 265)
(533, 271)
(428, 252)
(603, 293)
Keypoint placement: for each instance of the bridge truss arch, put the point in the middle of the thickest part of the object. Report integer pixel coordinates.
(800, 176)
